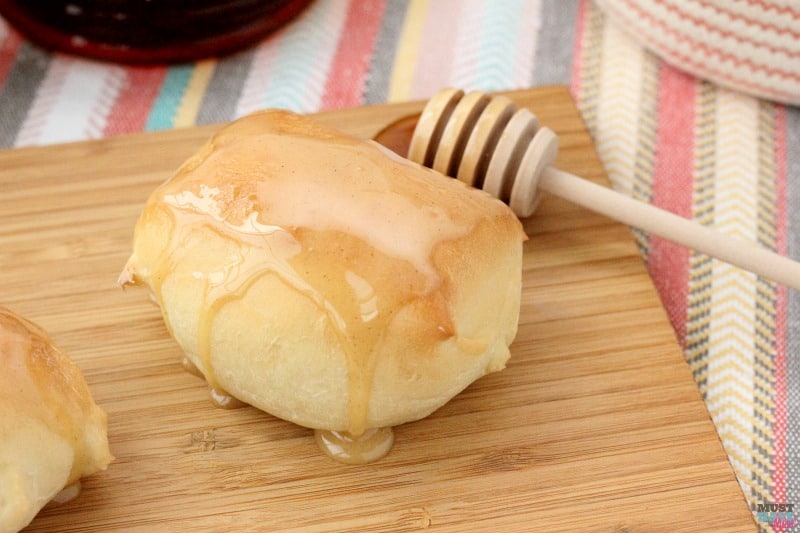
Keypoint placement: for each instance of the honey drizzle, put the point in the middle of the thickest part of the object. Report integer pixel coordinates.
(359, 332)
(249, 267)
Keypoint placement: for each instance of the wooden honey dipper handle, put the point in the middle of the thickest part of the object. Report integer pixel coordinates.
(671, 227)
(489, 144)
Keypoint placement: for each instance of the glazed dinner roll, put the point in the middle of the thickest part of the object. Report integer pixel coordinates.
(325, 280)
(51, 431)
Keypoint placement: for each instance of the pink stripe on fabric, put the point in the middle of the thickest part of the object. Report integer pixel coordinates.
(8, 51)
(672, 190)
(578, 52)
(135, 99)
(348, 73)
(780, 428)
(432, 70)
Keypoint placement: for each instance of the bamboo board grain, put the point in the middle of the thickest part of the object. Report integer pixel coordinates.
(595, 425)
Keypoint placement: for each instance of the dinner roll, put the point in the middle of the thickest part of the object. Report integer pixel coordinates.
(325, 280)
(51, 431)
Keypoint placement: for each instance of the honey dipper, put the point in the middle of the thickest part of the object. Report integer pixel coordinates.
(489, 144)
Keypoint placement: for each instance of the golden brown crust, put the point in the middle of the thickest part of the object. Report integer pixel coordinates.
(51, 431)
(324, 280)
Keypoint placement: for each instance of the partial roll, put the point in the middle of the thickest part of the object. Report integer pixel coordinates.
(51, 431)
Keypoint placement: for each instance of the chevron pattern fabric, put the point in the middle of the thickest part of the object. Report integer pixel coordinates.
(666, 132)
(749, 45)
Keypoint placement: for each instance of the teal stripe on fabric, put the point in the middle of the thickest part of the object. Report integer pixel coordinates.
(498, 38)
(162, 115)
(297, 62)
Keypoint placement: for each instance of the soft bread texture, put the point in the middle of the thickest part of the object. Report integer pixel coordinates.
(325, 280)
(51, 431)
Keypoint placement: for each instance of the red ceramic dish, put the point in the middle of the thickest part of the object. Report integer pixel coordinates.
(148, 31)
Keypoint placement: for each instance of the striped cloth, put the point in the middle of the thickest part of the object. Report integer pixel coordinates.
(728, 159)
(732, 162)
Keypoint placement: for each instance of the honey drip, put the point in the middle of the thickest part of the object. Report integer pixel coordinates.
(223, 400)
(219, 397)
(190, 367)
(357, 312)
(353, 284)
(68, 493)
(346, 448)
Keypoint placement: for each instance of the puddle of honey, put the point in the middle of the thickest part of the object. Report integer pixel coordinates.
(346, 448)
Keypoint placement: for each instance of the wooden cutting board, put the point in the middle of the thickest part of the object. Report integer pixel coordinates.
(595, 425)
